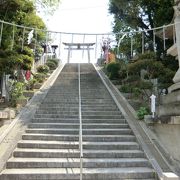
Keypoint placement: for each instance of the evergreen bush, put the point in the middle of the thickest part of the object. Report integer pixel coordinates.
(43, 69)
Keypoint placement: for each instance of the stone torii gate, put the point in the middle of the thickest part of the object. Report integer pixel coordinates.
(78, 46)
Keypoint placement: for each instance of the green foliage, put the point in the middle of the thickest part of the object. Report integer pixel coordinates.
(153, 68)
(21, 12)
(141, 14)
(16, 92)
(52, 64)
(40, 77)
(147, 56)
(26, 51)
(145, 85)
(113, 70)
(30, 84)
(48, 6)
(126, 88)
(165, 80)
(43, 69)
(136, 92)
(14, 60)
(142, 112)
(54, 60)
(132, 78)
(170, 63)
(26, 62)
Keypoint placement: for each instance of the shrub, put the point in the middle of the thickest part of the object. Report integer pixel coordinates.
(133, 78)
(113, 70)
(148, 55)
(51, 65)
(30, 84)
(16, 92)
(126, 88)
(145, 85)
(39, 77)
(142, 112)
(55, 61)
(43, 69)
(136, 92)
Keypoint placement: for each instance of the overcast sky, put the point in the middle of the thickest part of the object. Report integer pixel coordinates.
(84, 16)
(80, 16)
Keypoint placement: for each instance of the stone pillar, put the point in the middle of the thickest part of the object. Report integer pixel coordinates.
(176, 78)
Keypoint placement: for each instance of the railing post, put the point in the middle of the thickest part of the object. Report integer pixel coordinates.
(80, 125)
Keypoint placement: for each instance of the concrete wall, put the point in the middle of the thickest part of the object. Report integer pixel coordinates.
(169, 136)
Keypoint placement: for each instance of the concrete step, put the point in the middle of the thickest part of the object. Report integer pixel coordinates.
(73, 173)
(102, 117)
(100, 105)
(88, 138)
(46, 153)
(74, 153)
(40, 112)
(53, 112)
(53, 131)
(76, 100)
(75, 145)
(76, 125)
(63, 105)
(50, 137)
(84, 108)
(85, 132)
(55, 120)
(75, 163)
(59, 105)
(107, 121)
(55, 116)
(48, 144)
(76, 120)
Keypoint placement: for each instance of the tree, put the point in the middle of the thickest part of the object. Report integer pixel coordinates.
(21, 12)
(48, 6)
(142, 15)
(19, 56)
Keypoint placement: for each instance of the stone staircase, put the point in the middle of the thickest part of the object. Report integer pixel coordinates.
(49, 148)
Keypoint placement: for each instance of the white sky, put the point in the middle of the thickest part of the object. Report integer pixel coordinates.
(84, 16)
(81, 16)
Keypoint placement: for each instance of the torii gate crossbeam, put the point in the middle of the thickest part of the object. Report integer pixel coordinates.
(78, 46)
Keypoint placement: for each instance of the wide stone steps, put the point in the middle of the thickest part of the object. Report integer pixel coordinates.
(73, 173)
(49, 149)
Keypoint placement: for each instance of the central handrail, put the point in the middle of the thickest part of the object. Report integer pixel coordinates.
(80, 125)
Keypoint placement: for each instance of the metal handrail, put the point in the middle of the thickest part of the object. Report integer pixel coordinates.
(80, 125)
